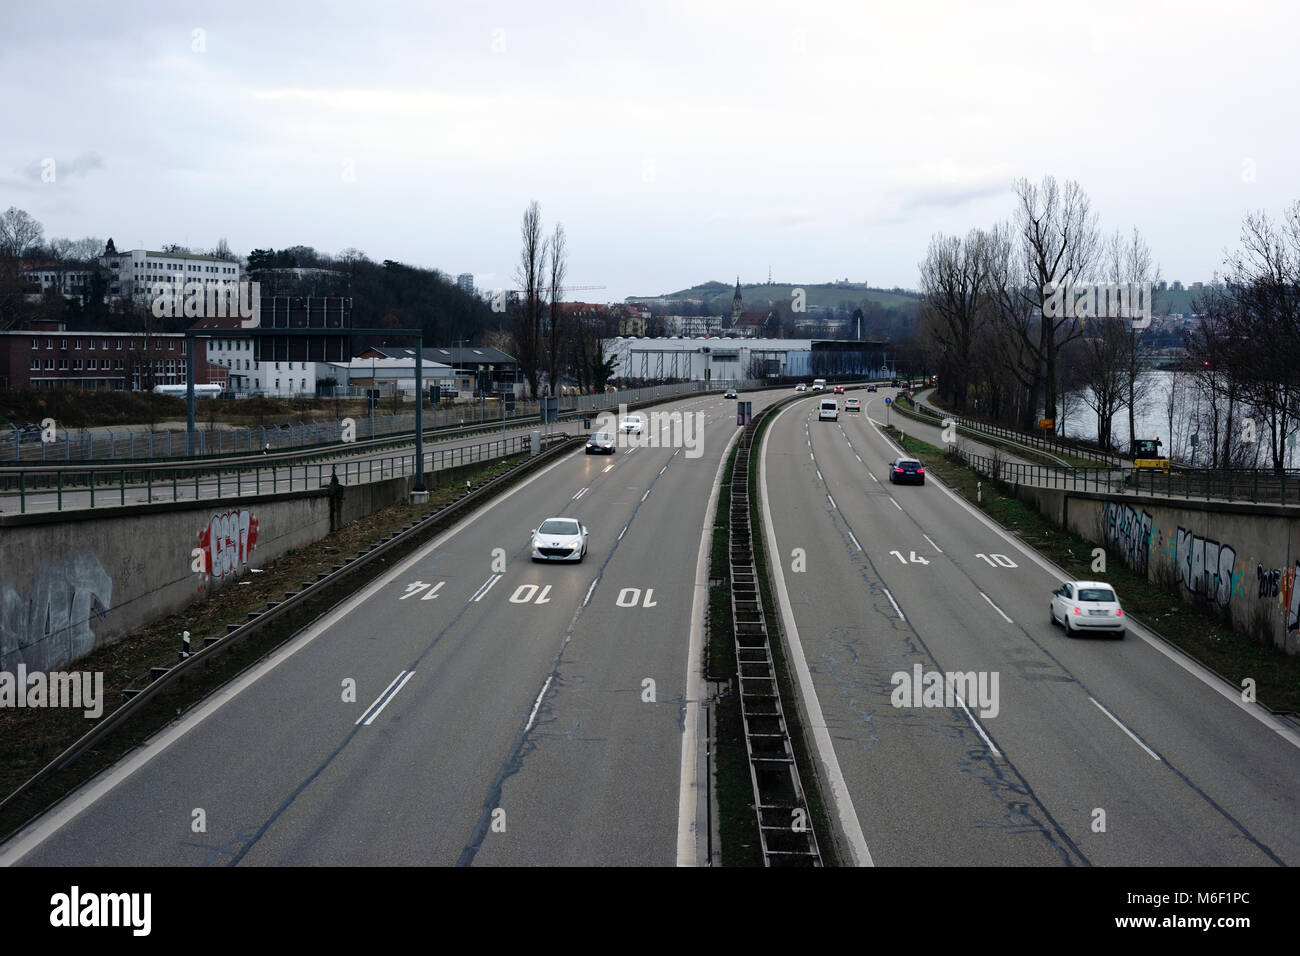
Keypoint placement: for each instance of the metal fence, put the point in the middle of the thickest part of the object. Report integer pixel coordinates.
(1219, 484)
(1050, 445)
(125, 444)
(91, 487)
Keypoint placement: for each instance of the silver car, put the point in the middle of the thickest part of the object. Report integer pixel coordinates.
(560, 539)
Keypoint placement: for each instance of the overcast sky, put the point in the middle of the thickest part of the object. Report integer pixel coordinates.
(677, 141)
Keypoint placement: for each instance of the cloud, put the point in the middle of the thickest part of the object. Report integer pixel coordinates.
(948, 195)
(42, 169)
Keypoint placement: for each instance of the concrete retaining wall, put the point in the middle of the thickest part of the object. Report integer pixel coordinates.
(1241, 560)
(73, 581)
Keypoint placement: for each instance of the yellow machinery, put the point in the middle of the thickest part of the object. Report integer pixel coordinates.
(1147, 457)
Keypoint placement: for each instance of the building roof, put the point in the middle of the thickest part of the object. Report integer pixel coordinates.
(482, 355)
(176, 255)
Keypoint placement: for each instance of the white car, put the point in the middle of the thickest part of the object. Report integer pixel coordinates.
(1087, 606)
(560, 539)
(632, 425)
(801, 387)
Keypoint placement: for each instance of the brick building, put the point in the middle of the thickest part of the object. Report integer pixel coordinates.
(46, 355)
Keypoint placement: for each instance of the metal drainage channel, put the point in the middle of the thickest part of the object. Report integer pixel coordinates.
(784, 824)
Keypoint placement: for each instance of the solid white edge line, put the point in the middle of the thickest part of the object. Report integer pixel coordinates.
(690, 790)
(895, 503)
(839, 795)
(996, 608)
(898, 609)
(832, 501)
(1132, 736)
(971, 717)
(931, 540)
(376, 701)
(53, 820)
(1205, 676)
(855, 541)
(389, 700)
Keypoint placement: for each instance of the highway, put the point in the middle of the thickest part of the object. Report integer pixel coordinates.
(470, 707)
(1095, 751)
(503, 711)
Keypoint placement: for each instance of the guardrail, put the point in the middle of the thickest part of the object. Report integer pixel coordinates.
(1202, 484)
(215, 645)
(106, 486)
(126, 444)
(1050, 446)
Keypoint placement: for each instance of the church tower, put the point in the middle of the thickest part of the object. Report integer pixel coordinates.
(736, 305)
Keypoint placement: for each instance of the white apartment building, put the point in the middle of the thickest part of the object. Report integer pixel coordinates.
(247, 375)
(39, 278)
(132, 274)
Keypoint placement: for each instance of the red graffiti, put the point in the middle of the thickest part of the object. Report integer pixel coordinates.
(227, 541)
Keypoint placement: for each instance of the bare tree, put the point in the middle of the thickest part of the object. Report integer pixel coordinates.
(1102, 360)
(19, 233)
(529, 274)
(954, 286)
(1130, 263)
(222, 251)
(556, 333)
(1058, 243)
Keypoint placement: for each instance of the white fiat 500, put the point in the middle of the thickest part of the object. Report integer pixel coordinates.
(560, 539)
(1087, 606)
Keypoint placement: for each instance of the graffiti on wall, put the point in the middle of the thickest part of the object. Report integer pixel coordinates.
(1204, 566)
(1289, 595)
(227, 540)
(1128, 531)
(49, 625)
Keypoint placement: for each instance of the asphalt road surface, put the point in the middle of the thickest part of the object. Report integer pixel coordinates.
(504, 713)
(1093, 751)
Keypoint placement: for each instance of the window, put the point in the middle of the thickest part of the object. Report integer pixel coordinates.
(277, 384)
(63, 365)
(76, 365)
(49, 343)
(119, 345)
(49, 365)
(105, 345)
(171, 345)
(64, 346)
(76, 343)
(92, 345)
(130, 348)
(92, 364)
(36, 364)
(36, 343)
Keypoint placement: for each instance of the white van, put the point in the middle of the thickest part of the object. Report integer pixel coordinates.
(819, 385)
(828, 411)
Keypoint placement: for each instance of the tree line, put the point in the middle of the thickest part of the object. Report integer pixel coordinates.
(1002, 352)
